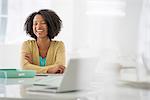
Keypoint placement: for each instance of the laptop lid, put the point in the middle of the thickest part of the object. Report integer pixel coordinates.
(78, 74)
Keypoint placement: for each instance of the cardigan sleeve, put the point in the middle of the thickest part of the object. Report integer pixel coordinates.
(60, 54)
(25, 49)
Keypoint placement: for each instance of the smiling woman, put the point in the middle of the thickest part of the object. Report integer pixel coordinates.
(43, 54)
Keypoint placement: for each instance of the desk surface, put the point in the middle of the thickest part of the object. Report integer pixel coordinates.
(15, 88)
(101, 90)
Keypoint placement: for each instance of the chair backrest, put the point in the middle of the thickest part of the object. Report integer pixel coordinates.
(146, 63)
(10, 56)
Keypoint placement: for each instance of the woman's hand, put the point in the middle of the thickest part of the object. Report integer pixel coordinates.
(56, 70)
(28, 57)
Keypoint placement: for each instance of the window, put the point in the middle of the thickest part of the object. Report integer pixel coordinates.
(3, 19)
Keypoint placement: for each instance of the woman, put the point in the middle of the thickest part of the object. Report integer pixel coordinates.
(43, 54)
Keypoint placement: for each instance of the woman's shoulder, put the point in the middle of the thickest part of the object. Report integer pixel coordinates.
(29, 42)
(56, 42)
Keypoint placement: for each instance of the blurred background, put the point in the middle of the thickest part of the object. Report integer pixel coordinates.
(114, 30)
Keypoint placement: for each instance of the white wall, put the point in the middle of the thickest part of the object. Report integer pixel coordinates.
(111, 31)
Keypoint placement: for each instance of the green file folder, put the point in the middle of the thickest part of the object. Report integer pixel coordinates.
(16, 73)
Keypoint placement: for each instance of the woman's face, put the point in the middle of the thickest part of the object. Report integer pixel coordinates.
(40, 28)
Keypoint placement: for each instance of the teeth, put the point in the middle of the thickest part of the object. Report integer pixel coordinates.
(39, 30)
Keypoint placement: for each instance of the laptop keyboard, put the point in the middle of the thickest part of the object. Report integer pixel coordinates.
(53, 81)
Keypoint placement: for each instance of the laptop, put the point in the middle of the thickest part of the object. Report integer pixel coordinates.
(77, 76)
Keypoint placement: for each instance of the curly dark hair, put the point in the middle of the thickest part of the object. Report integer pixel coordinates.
(52, 20)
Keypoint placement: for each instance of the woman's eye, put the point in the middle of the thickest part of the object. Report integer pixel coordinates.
(43, 22)
(34, 23)
(40, 23)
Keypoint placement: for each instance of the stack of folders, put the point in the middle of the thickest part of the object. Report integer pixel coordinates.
(16, 73)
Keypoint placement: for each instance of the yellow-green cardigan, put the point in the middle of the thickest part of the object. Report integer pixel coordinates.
(55, 55)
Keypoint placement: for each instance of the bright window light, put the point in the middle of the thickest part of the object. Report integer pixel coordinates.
(106, 8)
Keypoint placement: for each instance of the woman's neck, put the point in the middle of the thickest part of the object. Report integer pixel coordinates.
(43, 43)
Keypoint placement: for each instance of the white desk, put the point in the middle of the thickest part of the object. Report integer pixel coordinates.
(14, 89)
